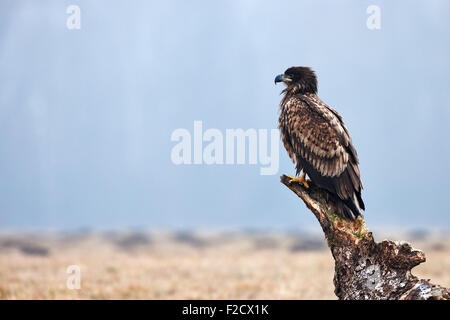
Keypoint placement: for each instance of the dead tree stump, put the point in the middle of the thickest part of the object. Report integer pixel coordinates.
(365, 269)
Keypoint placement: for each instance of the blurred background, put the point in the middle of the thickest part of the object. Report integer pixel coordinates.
(86, 118)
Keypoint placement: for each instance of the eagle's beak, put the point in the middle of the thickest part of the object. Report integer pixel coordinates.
(281, 78)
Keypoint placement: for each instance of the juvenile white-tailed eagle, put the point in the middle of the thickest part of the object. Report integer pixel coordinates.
(317, 140)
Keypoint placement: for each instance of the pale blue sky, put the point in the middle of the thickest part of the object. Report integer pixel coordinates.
(86, 115)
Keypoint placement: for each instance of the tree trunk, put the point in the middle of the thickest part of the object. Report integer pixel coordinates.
(365, 269)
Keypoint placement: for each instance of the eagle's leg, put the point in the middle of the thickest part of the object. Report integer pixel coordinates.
(300, 180)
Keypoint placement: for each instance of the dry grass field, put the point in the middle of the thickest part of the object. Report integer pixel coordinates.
(184, 265)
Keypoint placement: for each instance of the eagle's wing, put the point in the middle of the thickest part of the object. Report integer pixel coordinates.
(315, 133)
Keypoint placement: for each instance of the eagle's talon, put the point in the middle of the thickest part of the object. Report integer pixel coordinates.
(301, 180)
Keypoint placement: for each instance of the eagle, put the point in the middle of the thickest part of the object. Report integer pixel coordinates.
(318, 141)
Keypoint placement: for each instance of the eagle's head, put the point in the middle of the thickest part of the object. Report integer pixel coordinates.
(299, 80)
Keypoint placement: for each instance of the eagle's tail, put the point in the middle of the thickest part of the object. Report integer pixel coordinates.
(351, 208)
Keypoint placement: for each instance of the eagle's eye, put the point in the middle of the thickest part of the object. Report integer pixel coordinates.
(291, 76)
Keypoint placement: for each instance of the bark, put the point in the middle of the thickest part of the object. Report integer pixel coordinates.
(365, 269)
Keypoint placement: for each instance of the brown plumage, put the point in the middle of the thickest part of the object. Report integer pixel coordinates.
(317, 140)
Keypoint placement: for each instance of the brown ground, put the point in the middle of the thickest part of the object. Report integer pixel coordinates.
(181, 266)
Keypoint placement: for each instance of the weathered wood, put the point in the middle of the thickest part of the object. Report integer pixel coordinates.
(365, 269)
